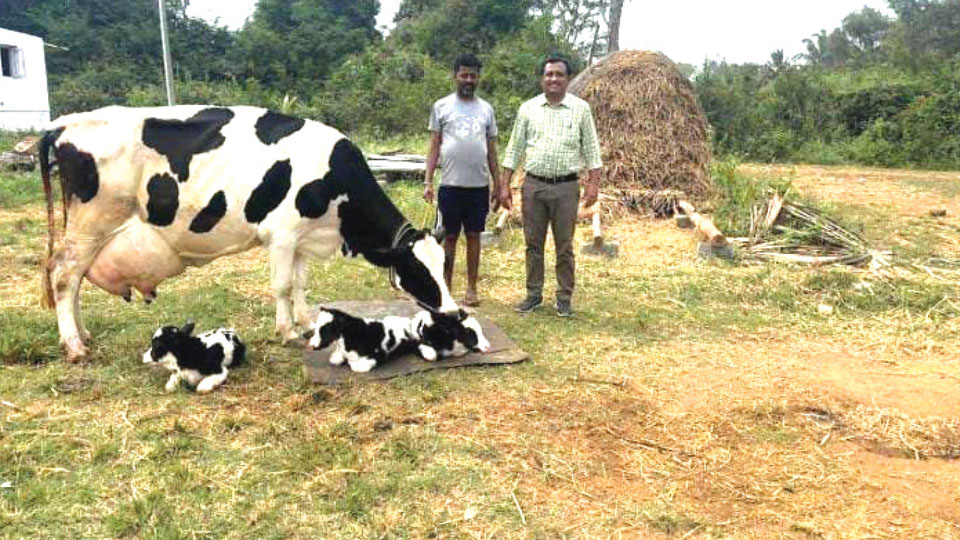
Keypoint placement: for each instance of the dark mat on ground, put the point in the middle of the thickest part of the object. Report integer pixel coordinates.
(318, 370)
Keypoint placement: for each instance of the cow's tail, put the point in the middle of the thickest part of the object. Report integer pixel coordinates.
(47, 299)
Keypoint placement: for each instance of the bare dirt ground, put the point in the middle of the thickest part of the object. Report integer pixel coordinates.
(764, 434)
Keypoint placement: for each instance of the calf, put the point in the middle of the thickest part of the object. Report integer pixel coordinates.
(364, 343)
(450, 335)
(201, 360)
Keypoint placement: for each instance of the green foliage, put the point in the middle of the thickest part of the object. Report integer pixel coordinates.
(874, 90)
(444, 29)
(292, 45)
(737, 193)
(384, 90)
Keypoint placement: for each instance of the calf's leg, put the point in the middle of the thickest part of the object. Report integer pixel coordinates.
(212, 381)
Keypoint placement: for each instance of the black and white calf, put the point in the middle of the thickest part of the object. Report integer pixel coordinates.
(450, 335)
(364, 343)
(201, 360)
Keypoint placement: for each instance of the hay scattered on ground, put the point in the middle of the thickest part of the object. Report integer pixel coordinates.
(653, 134)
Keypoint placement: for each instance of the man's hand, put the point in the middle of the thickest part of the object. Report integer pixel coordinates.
(590, 193)
(505, 197)
(428, 192)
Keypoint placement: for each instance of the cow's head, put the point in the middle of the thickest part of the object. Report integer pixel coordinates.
(416, 264)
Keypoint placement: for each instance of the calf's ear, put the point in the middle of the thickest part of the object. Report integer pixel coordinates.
(187, 328)
(439, 234)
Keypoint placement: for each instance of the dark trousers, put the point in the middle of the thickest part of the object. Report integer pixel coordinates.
(554, 205)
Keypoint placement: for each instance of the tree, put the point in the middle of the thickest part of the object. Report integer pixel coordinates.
(866, 29)
(613, 40)
(444, 29)
(292, 45)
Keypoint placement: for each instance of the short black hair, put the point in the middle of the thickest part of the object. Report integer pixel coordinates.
(466, 60)
(552, 59)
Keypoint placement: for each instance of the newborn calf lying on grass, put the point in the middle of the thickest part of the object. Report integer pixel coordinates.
(364, 343)
(201, 360)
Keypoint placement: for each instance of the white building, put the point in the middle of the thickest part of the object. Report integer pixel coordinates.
(23, 82)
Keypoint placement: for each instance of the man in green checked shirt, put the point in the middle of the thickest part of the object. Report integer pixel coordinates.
(555, 132)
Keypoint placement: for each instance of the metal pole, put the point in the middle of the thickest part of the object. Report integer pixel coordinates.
(167, 64)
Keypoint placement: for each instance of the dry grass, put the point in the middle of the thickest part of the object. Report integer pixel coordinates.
(688, 399)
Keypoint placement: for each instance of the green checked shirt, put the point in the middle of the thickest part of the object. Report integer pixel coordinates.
(556, 139)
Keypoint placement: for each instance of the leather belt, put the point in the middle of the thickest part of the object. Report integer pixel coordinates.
(572, 177)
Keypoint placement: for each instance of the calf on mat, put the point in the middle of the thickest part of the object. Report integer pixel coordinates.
(364, 343)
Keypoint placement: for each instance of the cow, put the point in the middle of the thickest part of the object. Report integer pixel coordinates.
(201, 360)
(148, 192)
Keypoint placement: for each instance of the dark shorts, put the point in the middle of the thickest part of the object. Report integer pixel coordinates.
(463, 207)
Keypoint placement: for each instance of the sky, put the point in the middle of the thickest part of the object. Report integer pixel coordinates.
(687, 31)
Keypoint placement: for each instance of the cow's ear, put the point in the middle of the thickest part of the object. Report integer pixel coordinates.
(382, 257)
(439, 234)
(187, 328)
(462, 315)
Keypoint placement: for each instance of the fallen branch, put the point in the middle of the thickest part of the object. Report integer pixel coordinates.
(702, 226)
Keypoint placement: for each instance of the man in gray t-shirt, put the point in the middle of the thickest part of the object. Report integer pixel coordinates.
(463, 139)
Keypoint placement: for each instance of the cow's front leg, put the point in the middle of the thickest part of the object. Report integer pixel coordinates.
(301, 310)
(281, 277)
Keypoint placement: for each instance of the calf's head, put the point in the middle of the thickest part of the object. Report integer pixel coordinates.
(325, 329)
(456, 334)
(168, 344)
(417, 268)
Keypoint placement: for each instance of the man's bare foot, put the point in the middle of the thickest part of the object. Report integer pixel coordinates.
(471, 299)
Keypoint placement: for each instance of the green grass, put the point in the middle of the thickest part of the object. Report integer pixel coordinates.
(100, 450)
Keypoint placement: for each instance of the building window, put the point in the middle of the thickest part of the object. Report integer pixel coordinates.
(11, 61)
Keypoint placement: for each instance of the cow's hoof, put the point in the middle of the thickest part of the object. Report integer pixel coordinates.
(76, 356)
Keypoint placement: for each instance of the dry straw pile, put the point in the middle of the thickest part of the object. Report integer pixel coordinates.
(653, 133)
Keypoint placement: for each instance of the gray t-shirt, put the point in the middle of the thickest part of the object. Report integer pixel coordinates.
(466, 126)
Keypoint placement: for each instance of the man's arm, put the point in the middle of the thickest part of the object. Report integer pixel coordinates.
(504, 196)
(493, 164)
(590, 148)
(592, 190)
(433, 155)
(515, 148)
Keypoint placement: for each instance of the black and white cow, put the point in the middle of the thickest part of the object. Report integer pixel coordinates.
(150, 191)
(201, 360)
(365, 343)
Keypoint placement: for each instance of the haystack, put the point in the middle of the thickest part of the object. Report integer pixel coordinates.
(653, 134)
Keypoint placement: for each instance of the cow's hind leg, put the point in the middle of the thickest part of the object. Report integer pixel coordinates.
(301, 309)
(281, 279)
(68, 268)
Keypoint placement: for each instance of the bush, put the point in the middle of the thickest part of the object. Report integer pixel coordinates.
(736, 194)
